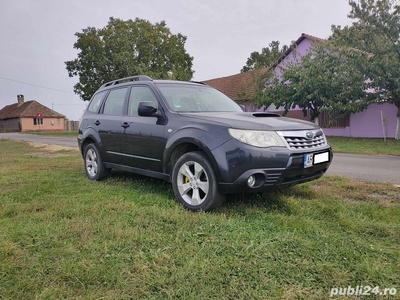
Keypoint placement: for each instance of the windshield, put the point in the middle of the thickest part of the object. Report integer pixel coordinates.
(196, 98)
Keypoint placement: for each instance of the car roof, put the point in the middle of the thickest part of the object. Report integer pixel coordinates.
(140, 79)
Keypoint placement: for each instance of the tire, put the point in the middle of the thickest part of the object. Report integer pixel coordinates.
(194, 183)
(93, 163)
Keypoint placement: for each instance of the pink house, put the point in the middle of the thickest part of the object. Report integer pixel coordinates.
(376, 121)
(30, 116)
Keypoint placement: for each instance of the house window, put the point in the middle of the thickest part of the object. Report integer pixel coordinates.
(58, 121)
(37, 121)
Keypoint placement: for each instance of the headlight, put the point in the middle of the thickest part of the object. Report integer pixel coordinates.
(257, 138)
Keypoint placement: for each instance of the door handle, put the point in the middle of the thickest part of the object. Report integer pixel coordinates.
(125, 125)
(97, 122)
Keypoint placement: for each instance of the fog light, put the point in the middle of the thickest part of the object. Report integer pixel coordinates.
(251, 181)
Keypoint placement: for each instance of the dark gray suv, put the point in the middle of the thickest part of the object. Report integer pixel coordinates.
(198, 139)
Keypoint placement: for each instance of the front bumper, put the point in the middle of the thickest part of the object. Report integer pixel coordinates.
(272, 167)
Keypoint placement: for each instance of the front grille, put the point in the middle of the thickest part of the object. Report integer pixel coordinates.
(300, 143)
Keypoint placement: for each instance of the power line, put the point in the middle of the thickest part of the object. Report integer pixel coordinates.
(66, 104)
(71, 104)
(39, 86)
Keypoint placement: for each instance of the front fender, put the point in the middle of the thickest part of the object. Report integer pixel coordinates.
(199, 137)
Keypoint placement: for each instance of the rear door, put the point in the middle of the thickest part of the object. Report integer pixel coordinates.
(143, 139)
(108, 124)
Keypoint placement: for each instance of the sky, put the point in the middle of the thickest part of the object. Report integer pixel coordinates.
(37, 37)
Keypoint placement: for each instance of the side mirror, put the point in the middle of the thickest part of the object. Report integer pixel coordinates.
(147, 108)
(242, 107)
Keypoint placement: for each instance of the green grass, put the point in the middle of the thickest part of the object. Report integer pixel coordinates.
(64, 236)
(55, 133)
(364, 145)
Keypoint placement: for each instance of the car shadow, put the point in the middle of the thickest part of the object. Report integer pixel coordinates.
(267, 201)
(279, 200)
(154, 185)
(270, 201)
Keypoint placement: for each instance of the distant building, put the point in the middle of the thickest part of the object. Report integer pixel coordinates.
(378, 120)
(30, 116)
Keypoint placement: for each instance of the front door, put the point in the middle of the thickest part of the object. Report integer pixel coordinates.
(143, 139)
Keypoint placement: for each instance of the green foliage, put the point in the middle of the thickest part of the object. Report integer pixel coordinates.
(376, 30)
(368, 60)
(127, 48)
(267, 57)
(327, 77)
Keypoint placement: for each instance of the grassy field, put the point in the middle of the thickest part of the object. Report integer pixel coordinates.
(63, 236)
(55, 133)
(364, 145)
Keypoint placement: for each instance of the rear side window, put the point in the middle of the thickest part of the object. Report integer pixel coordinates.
(115, 102)
(96, 102)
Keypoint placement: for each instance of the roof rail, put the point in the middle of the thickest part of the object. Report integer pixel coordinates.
(199, 82)
(127, 79)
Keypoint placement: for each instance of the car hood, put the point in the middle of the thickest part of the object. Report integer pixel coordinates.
(253, 121)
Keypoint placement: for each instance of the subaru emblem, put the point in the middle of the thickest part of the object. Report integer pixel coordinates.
(309, 135)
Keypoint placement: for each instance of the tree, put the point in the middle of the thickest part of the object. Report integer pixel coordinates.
(327, 77)
(127, 48)
(376, 29)
(267, 57)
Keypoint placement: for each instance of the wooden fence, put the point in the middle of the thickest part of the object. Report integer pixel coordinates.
(325, 119)
(71, 125)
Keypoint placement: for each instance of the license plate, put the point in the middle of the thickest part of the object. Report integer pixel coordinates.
(313, 159)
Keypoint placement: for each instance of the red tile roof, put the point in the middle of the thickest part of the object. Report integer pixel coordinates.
(240, 86)
(28, 109)
(243, 86)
